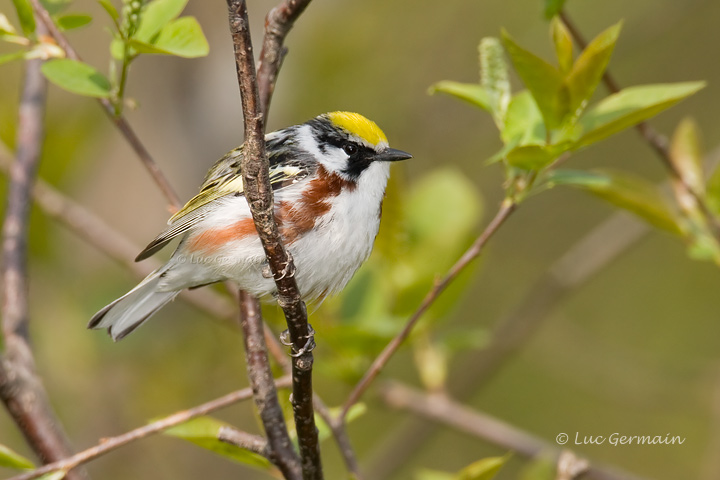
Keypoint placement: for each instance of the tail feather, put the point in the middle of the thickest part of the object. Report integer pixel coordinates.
(131, 310)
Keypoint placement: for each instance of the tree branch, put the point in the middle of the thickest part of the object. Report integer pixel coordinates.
(21, 389)
(264, 392)
(260, 199)
(442, 409)
(278, 23)
(118, 120)
(109, 444)
(503, 213)
(248, 441)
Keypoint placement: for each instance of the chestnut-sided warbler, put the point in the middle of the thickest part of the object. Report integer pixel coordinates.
(329, 177)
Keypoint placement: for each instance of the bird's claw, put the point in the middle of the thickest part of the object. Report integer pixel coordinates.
(308, 347)
(288, 270)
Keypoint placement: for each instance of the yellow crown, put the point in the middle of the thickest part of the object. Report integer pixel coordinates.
(359, 126)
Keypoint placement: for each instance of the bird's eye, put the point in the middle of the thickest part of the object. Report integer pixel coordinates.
(350, 149)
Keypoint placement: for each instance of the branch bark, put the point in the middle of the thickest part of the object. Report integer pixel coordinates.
(21, 389)
(248, 441)
(506, 209)
(281, 451)
(260, 198)
(109, 444)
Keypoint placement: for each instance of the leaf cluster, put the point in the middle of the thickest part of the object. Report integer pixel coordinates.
(139, 28)
(554, 117)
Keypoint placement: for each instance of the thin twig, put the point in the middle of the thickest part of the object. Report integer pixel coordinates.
(248, 441)
(281, 451)
(259, 195)
(118, 120)
(503, 213)
(108, 444)
(278, 23)
(442, 409)
(21, 389)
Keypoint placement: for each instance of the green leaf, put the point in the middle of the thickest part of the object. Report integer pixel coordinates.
(111, 10)
(494, 77)
(182, 37)
(686, 155)
(632, 193)
(11, 459)
(25, 15)
(55, 6)
(468, 92)
(553, 7)
(543, 80)
(71, 21)
(443, 201)
(523, 121)
(76, 77)
(588, 69)
(536, 157)
(9, 57)
(156, 16)
(484, 469)
(563, 44)
(203, 432)
(630, 107)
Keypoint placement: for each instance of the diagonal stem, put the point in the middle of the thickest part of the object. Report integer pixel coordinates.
(506, 209)
(112, 443)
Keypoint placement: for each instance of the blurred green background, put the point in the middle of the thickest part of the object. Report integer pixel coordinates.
(634, 351)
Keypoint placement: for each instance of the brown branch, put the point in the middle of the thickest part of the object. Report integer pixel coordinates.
(281, 451)
(278, 23)
(21, 389)
(248, 441)
(440, 408)
(118, 120)
(109, 444)
(260, 199)
(503, 213)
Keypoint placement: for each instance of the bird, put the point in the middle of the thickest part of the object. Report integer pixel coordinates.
(328, 177)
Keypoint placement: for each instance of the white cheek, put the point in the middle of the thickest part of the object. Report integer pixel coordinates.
(334, 159)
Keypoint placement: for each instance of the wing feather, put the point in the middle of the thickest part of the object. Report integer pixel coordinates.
(223, 179)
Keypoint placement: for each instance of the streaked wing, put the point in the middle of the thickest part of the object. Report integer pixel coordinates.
(223, 179)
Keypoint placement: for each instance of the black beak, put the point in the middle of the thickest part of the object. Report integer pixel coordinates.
(392, 155)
